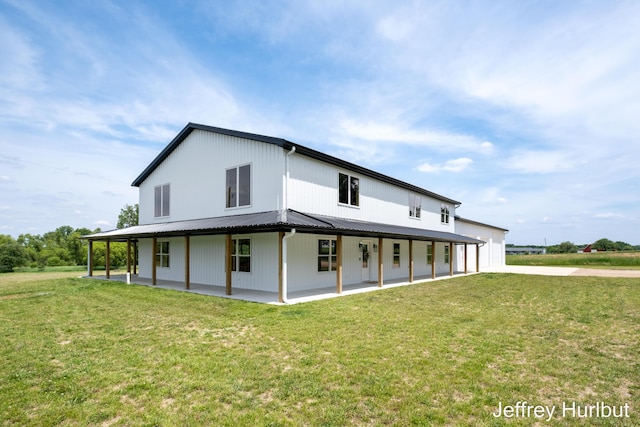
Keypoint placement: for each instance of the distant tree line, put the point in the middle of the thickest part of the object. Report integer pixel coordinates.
(62, 247)
(599, 245)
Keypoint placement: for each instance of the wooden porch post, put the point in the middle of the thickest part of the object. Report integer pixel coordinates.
(380, 264)
(339, 264)
(465, 258)
(154, 261)
(450, 258)
(107, 259)
(410, 261)
(228, 263)
(90, 259)
(280, 261)
(129, 256)
(477, 258)
(187, 248)
(433, 259)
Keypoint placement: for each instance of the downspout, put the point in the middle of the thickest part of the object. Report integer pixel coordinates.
(285, 197)
(284, 264)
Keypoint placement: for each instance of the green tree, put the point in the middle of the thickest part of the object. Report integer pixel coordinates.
(117, 254)
(128, 216)
(604, 245)
(563, 248)
(12, 254)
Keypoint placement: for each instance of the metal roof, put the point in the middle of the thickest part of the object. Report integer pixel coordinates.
(279, 221)
(287, 145)
(470, 221)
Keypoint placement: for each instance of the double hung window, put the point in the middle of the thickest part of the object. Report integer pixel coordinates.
(162, 198)
(396, 255)
(415, 205)
(327, 255)
(162, 254)
(348, 189)
(238, 188)
(444, 215)
(241, 255)
(446, 254)
(429, 254)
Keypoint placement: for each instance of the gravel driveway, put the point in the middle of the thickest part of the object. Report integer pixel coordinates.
(563, 271)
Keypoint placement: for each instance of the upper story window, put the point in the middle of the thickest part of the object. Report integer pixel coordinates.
(162, 200)
(348, 189)
(444, 215)
(415, 205)
(238, 189)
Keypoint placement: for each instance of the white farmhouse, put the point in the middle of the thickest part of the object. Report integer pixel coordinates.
(223, 208)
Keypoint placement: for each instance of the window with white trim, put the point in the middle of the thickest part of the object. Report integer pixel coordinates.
(327, 255)
(429, 254)
(241, 255)
(348, 189)
(396, 255)
(446, 254)
(415, 205)
(444, 214)
(238, 186)
(162, 198)
(162, 254)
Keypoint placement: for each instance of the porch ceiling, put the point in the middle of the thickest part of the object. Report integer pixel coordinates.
(278, 221)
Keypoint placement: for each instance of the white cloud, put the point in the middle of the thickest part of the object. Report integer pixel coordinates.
(608, 215)
(444, 141)
(540, 162)
(454, 165)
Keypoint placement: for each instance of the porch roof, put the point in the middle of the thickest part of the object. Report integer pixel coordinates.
(278, 221)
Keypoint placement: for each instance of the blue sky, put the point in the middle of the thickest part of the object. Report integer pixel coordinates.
(526, 112)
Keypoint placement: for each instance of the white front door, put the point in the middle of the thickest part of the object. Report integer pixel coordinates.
(365, 255)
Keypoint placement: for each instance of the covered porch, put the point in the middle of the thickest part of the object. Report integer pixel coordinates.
(264, 297)
(285, 225)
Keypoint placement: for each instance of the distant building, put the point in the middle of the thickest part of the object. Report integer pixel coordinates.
(587, 249)
(521, 250)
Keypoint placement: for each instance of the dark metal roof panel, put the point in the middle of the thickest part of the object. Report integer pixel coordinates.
(279, 221)
(470, 221)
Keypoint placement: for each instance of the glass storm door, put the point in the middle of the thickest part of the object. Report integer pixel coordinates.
(365, 247)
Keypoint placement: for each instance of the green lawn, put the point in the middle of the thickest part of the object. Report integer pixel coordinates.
(77, 352)
(606, 260)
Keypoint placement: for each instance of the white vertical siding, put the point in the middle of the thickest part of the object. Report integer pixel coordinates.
(492, 253)
(207, 261)
(196, 171)
(313, 188)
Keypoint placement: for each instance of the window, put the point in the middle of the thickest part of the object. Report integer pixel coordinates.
(446, 254)
(429, 254)
(348, 190)
(162, 199)
(396, 255)
(241, 255)
(415, 205)
(162, 254)
(238, 189)
(327, 258)
(444, 215)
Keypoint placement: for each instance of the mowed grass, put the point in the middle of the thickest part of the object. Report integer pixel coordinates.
(78, 352)
(606, 260)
